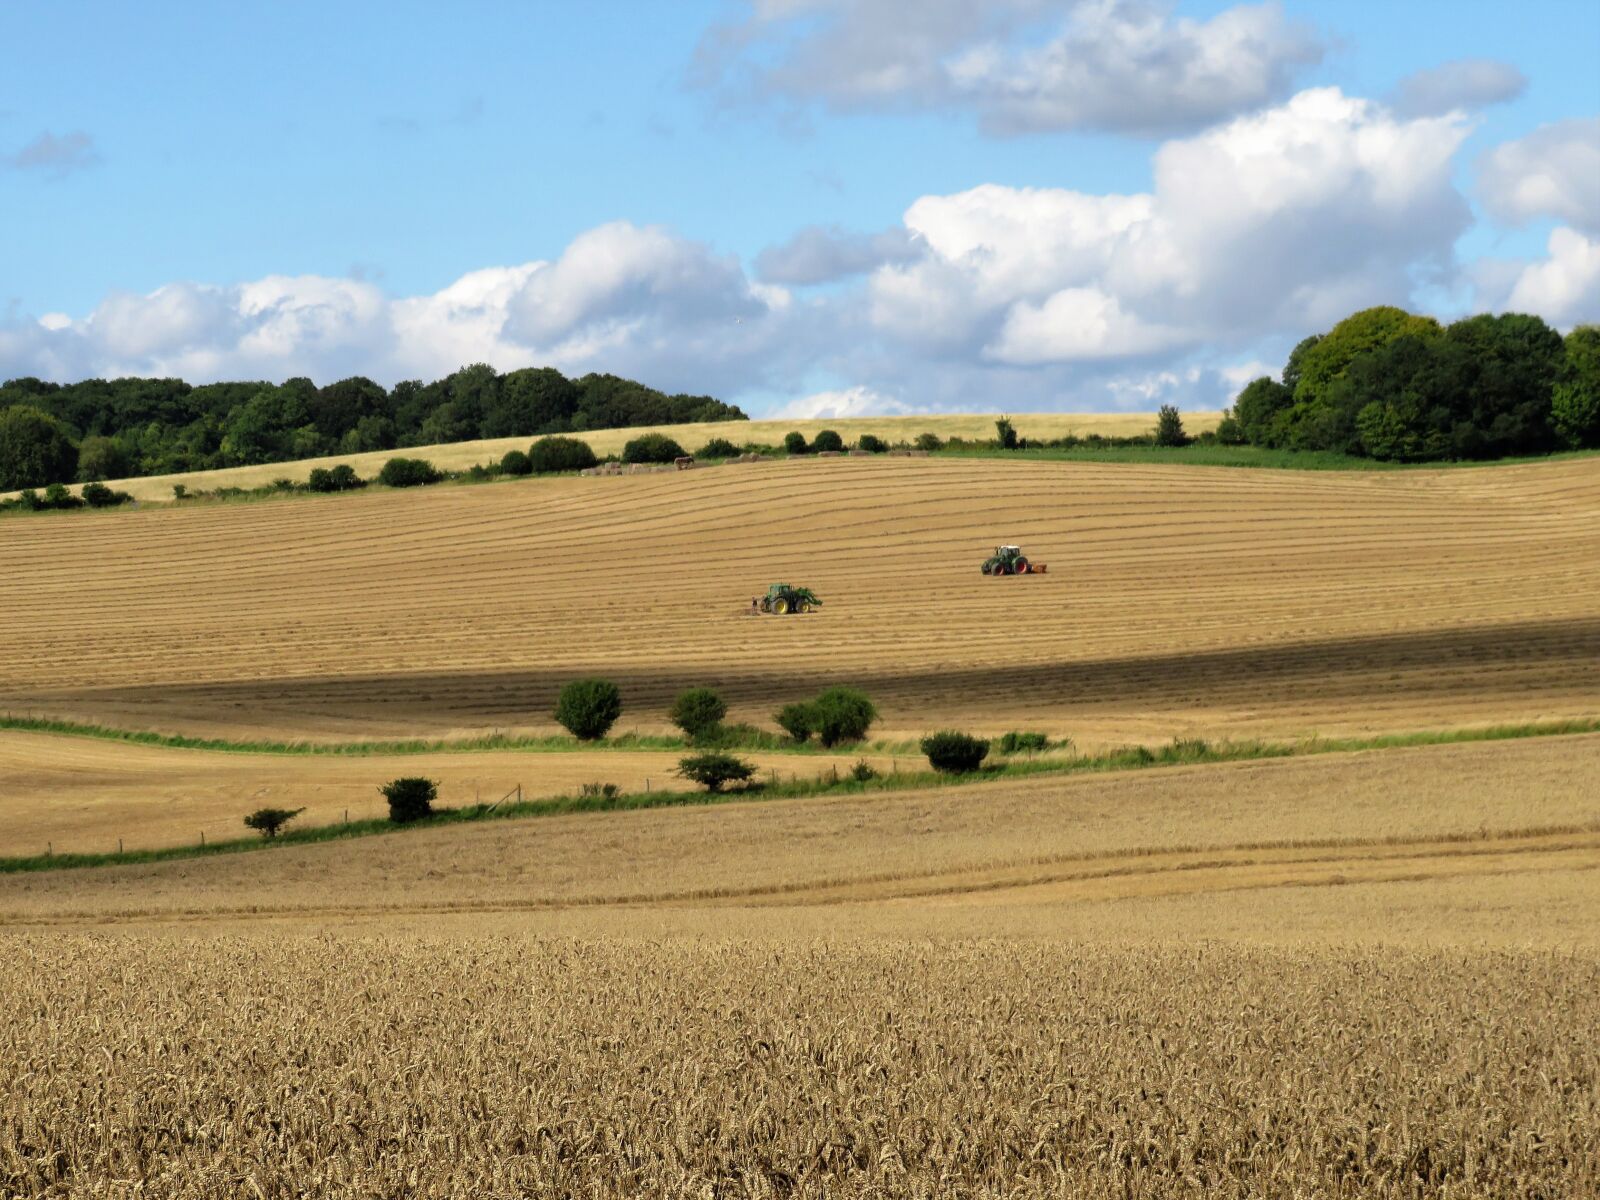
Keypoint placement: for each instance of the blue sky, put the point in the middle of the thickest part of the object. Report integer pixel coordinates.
(394, 189)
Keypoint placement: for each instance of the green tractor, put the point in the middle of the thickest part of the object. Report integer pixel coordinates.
(783, 598)
(1009, 560)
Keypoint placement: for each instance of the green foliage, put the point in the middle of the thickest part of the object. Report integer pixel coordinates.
(1024, 743)
(698, 712)
(794, 442)
(102, 458)
(930, 442)
(798, 720)
(410, 798)
(604, 791)
(842, 714)
(872, 444)
(827, 441)
(588, 708)
(954, 753)
(34, 449)
(58, 496)
(1575, 399)
(1360, 333)
(515, 462)
(1261, 410)
(1005, 433)
(339, 478)
(408, 472)
(651, 448)
(1230, 432)
(267, 821)
(98, 495)
(863, 771)
(161, 426)
(714, 770)
(553, 454)
(1169, 427)
(718, 448)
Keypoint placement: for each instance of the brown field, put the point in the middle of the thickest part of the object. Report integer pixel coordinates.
(458, 456)
(1370, 974)
(1179, 600)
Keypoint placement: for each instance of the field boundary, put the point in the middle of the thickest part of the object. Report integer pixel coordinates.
(1183, 752)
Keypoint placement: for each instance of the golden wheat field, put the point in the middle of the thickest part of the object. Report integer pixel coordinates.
(1369, 974)
(458, 456)
(1178, 600)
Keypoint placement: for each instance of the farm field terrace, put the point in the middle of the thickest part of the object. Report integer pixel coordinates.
(1179, 601)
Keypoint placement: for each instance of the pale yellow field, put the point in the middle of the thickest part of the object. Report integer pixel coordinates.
(85, 795)
(458, 456)
(1485, 808)
(1179, 600)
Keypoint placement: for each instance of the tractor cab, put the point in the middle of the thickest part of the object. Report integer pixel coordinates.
(1009, 560)
(782, 599)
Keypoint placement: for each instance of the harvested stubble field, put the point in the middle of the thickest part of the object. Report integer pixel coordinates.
(848, 997)
(1179, 600)
(81, 795)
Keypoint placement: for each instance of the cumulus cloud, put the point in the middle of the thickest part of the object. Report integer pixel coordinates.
(1553, 172)
(824, 255)
(1563, 287)
(56, 156)
(1463, 85)
(846, 402)
(1282, 220)
(1021, 66)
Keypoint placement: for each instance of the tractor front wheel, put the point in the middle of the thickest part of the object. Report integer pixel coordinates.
(780, 606)
(1021, 566)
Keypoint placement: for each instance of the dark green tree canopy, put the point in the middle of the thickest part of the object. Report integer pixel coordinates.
(162, 426)
(34, 449)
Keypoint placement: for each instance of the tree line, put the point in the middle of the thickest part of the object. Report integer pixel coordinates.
(1388, 384)
(101, 429)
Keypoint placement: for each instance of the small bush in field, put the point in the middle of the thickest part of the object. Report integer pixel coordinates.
(1024, 743)
(515, 462)
(843, 715)
(794, 442)
(718, 448)
(409, 472)
(713, 771)
(872, 444)
(410, 798)
(651, 448)
(827, 440)
(955, 753)
(798, 720)
(863, 771)
(267, 821)
(931, 442)
(552, 454)
(699, 712)
(588, 708)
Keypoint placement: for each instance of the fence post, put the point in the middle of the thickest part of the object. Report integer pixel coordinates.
(347, 816)
(647, 785)
(202, 837)
(119, 845)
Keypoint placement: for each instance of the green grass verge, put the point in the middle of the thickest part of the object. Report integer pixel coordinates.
(745, 739)
(1180, 752)
(1237, 456)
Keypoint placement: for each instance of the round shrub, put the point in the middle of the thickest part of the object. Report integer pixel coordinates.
(799, 721)
(98, 495)
(515, 462)
(409, 472)
(698, 712)
(410, 798)
(794, 442)
(552, 454)
(342, 478)
(954, 753)
(842, 714)
(931, 442)
(651, 448)
(34, 449)
(872, 444)
(267, 821)
(588, 708)
(825, 441)
(718, 448)
(1018, 742)
(712, 771)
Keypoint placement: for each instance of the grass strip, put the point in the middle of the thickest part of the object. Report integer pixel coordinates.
(1214, 455)
(1179, 752)
(751, 739)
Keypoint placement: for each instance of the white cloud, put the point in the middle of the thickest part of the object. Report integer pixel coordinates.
(1460, 86)
(1279, 221)
(1553, 172)
(1564, 288)
(823, 255)
(846, 402)
(1021, 65)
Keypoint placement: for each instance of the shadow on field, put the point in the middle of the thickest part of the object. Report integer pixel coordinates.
(1529, 662)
